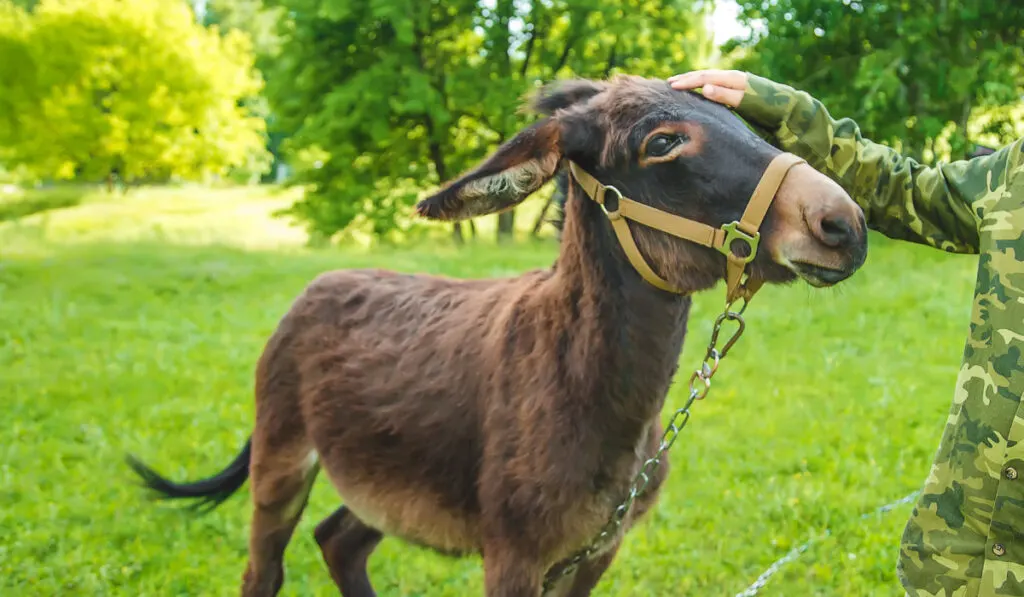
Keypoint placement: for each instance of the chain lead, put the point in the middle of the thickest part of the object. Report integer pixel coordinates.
(679, 419)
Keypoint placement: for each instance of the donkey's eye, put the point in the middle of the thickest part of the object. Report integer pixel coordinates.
(660, 145)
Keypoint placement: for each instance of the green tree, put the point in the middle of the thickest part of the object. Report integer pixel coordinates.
(359, 86)
(391, 97)
(908, 71)
(263, 24)
(260, 22)
(15, 77)
(135, 88)
(530, 42)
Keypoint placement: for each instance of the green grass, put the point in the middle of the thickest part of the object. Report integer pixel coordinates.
(18, 204)
(133, 325)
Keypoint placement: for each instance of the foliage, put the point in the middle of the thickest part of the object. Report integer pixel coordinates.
(255, 19)
(136, 89)
(399, 95)
(262, 25)
(15, 79)
(903, 69)
(155, 353)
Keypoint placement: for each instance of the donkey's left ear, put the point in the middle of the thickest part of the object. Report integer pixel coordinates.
(510, 175)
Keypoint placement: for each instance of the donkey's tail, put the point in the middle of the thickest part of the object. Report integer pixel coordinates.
(208, 493)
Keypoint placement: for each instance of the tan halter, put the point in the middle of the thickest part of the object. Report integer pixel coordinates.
(721, 239)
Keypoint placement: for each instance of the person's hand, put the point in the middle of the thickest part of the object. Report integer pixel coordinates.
(723, 86)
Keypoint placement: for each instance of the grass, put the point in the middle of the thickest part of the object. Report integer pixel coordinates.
(132, 326)
(16, 204)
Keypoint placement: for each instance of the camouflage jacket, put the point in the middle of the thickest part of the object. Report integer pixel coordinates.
(965, 537)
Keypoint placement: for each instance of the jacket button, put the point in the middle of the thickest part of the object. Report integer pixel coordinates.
(998, 549)
(1010, 473)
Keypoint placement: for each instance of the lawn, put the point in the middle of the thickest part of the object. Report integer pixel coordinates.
(132, 325)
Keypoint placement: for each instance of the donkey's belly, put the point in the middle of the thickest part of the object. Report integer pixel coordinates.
(412, 514)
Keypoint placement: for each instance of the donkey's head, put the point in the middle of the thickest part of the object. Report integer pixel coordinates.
(680, 154)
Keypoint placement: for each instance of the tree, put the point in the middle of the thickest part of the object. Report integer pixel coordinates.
(15, 79)
(360, 85)
(389, 98)
(910, 72)
(262, 24)
(528, 43)
(136, 89)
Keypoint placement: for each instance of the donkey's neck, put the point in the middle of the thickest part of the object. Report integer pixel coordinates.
(625, 333)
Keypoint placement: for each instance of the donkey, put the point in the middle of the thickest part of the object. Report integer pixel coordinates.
(507, 417)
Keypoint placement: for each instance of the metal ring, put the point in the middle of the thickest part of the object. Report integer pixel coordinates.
(729, 309)
(733, 232)
(613, 214)
(748, 256)
(699, 392)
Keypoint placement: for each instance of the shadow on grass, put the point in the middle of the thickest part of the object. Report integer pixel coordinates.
(39, 200)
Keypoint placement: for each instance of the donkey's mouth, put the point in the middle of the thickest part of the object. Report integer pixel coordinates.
(819, 276)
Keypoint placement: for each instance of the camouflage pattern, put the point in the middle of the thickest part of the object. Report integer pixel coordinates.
(965, 537)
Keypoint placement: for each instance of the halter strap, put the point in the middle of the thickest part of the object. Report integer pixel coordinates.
(724, 239)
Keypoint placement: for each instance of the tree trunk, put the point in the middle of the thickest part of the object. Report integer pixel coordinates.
(535, 231)
(506, 225)
(437, 157)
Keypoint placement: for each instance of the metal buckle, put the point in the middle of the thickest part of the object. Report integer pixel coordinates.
(614, 213)
(733, 232)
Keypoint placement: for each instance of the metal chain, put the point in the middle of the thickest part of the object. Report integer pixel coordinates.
(700, 384)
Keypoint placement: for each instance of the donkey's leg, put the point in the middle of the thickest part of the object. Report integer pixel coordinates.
(649, 498)
(589, 573)
(283, 469)
(510, 574)
(346, 543)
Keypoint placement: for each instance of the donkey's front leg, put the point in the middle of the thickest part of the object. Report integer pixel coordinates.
(510, 573)
(589, 574)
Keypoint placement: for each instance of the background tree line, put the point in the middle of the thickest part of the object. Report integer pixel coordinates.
(373, 102)
(97, 89)
(929, 77)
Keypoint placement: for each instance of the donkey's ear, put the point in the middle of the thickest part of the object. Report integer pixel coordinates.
(565, 94)
(510, 175)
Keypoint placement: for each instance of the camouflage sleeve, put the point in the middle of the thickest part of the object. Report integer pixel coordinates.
(939, 206)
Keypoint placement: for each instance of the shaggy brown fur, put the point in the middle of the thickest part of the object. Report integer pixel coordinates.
(507, 416)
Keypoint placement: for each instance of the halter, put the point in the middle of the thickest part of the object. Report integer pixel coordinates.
(728, 239)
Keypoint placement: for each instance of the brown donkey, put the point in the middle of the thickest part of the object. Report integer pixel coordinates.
(507, 417)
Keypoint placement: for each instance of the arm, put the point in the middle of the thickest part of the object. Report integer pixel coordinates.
(941, 206)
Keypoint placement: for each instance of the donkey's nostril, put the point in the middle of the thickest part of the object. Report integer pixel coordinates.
(833, 231)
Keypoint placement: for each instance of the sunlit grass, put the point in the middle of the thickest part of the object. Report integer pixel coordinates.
(185, 216)
(132, 324)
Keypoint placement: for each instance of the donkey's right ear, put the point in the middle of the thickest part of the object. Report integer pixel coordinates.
(510, 175)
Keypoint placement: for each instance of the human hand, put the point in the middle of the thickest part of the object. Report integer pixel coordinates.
(723, 86)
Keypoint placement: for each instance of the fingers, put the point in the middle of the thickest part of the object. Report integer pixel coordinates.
(722, 95)
(732, 79)
(723, 86)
